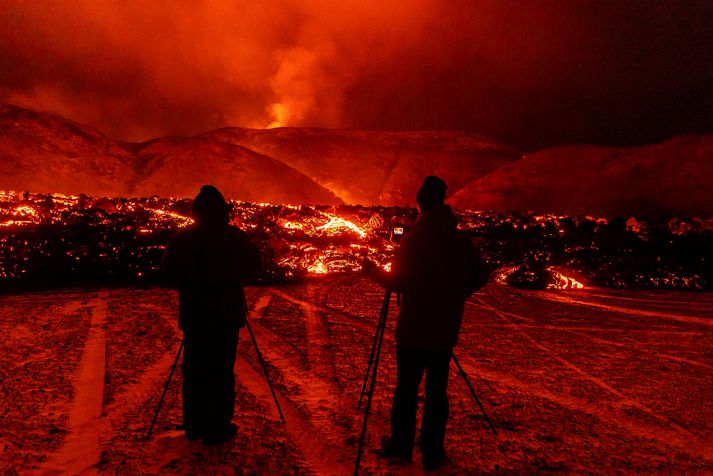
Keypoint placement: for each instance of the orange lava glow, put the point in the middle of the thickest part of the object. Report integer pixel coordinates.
(21, 215)
(318, 268)
(558, 280)
(337, 224)
(563, 282)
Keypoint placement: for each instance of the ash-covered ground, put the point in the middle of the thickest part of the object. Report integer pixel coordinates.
(587, 381)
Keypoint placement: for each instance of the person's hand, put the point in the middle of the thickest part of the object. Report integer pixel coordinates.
(368, 268)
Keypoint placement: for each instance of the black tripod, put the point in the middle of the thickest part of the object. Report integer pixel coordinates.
(373, 360)
(175, 363)
(374, 356)
(165, 389)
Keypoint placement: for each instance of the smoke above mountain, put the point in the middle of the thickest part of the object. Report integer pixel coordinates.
(532, 74)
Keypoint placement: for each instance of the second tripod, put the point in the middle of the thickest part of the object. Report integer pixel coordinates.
(372, 368)
(373, 362)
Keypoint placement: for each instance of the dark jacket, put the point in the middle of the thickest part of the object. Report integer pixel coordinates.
(208, 265)
(436, 269)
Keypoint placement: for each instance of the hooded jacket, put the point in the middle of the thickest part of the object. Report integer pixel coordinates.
(209, 264)
(436, 269)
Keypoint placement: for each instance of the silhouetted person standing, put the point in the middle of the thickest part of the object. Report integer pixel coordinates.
(436, 269)
(209, 262)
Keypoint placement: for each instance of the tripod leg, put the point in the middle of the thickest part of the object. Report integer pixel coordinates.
(370, 395)
(384, 311)
(472, 392)
(165, 389)
(264, 369)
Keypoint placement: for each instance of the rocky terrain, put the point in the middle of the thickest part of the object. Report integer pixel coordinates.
(591, 381)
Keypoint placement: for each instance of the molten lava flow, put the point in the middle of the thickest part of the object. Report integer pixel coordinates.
(318, 268)
(563, 282)
(182, 220)
(548, 278)
(502, 275)
(336, 225)
(21, 215)
(67, 235)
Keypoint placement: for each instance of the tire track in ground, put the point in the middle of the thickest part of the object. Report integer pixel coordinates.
(133, 395)
(262, 302)
(680, 436)
(319, 359)
(315, 405)
(323, 459)
(706, 305)
(625, 310)
(574, 330)
(614, 416)
(353, 320)
(81, 448)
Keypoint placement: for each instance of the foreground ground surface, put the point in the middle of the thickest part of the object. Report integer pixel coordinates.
(594, 381)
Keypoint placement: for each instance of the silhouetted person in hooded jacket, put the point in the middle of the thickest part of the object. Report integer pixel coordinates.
(436, 269)
(209, 262)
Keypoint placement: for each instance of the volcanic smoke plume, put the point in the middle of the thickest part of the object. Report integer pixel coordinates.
(534, 75)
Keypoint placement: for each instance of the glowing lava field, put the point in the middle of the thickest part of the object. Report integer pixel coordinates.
(49, 240)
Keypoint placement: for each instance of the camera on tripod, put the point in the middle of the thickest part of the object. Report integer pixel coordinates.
(399, 227)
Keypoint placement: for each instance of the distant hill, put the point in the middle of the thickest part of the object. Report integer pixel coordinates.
(673, 178)
(177, 167)
(375, 167)
(45, 153)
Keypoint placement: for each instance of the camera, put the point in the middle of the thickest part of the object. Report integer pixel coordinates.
(398, 229)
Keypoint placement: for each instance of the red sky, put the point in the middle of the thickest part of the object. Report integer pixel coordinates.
(532, 73)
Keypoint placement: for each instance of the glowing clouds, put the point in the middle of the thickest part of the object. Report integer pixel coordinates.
(279, 116)
(137, 70)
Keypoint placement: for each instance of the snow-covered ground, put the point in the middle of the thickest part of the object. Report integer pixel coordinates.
(585, 381)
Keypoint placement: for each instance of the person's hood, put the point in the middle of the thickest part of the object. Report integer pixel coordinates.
(441, 218)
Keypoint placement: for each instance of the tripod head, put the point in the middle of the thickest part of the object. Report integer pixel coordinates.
(398, 228)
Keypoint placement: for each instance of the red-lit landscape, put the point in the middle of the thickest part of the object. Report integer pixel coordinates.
(576, 140)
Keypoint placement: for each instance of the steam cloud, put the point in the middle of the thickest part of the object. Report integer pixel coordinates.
(531, 73)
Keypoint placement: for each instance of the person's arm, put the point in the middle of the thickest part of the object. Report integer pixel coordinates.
(169, 263)
(398, 278)
(477, 272)
(251, 258)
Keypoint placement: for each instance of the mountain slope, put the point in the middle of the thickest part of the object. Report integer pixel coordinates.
(671, 178)
(373, 167)
(45, 153)
(177, 167)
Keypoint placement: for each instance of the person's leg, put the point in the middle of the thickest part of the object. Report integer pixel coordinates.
(193, 418)
(220, 388)
(403, 413)
(435, 410)
(225, 382)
